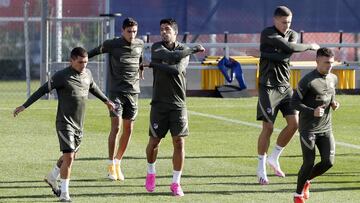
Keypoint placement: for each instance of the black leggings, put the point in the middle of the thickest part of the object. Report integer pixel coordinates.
(326, 144)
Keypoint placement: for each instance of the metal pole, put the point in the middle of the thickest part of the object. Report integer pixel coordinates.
(212, 40)
(227, 51)
(340, 37)
(44, 45)
(184, 40)
(302, 36)
(147, 37)
(58, 30)
(27, 57)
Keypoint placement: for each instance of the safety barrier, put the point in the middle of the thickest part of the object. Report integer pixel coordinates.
(212, 77)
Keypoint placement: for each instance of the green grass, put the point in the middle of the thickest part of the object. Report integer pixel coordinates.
(220, 164)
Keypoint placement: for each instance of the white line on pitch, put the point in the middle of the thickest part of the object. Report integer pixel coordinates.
(258, 126)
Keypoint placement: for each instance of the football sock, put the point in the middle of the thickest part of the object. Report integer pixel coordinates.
(117, 161)
(262, 162)
(55, 173)
(111, 161)
(64, 185)
(151, 168)
(176, 177)
(276, 152)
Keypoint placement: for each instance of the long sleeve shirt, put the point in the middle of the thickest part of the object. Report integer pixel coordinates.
(314, 90)
(72, 90)
(276, 49)
(169, 69)
(125, 59)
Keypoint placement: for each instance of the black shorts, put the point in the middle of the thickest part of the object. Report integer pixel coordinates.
(69, 140)
(324, 141)
(273, 99)
(126, 105)
(163, 119)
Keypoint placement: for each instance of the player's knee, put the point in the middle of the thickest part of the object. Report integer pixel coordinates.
(308, 164)
(178, 143)
(293, 126)
(114, 131)
(268, 128)
(154, 144)
(328, 163)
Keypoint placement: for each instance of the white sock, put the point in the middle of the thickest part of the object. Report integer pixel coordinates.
(64, 185)
(151, 168)
(276, 152)
(111, 161)
(55, 173)
(117, 161)
(297, 195)
(176, 177)
(262, 162)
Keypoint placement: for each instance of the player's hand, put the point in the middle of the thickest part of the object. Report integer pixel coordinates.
(199, 48)
(141, 74)
(110, 105)
(144, 65)
(314, 46)
(319, 111)
(334, 105)
(18, 110)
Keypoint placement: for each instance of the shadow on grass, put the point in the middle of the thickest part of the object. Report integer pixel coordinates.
(155, 194)
(212, 176)
(205, 157)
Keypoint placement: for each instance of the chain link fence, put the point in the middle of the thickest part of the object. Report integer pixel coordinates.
(90, 33)
(12, 49)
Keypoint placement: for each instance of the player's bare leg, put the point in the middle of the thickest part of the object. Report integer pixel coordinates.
(124, 140)
(65, 173)
(151, 155)
(283, 139)
(115, 127)
(178, 164)
(52, 178)
(263, 145)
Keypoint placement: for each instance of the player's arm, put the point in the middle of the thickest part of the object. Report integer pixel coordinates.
(45, 88)
(95, 90)
(334, 104)
(160, 52)
(142, 65)
(172, 69)
(103, 48)
(287, 46)
(276, 56)
(298, 97)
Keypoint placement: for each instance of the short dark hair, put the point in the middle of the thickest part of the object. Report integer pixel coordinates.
(324, 52)
(78, 51)
(171, 22)
(281, 11)
(129, 22)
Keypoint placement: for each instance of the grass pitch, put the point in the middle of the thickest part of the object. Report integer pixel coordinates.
(220, 161)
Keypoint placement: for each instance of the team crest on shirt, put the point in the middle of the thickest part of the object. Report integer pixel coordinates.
(137, 50)
(155, 126)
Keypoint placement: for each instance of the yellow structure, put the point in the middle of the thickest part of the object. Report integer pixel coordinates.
(210, 78)
(213, 77)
